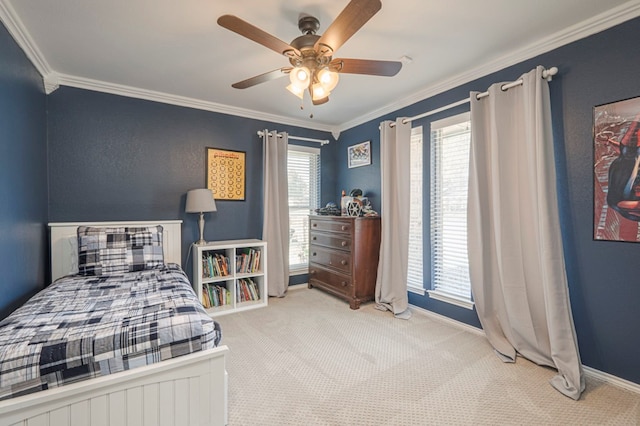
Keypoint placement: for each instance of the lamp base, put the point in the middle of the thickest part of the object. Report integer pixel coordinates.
(201, 241)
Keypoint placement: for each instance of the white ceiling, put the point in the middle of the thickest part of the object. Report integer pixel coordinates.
(174, 51)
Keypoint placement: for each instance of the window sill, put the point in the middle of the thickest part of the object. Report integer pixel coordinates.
(299, 271)
(447, 298)
(416, 290)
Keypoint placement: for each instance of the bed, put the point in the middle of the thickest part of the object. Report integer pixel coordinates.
(122, 339)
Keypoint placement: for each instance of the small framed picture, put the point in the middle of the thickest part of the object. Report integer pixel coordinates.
(359, 155)
(226, 174)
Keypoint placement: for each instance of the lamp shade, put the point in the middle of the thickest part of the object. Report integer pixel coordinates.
(200, 200)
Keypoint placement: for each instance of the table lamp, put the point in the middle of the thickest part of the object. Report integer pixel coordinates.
(200, 201)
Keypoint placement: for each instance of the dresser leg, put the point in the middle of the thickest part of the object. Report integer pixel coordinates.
(309, 285)
(354, 304)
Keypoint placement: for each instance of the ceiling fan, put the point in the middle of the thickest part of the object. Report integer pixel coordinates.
(313, 67)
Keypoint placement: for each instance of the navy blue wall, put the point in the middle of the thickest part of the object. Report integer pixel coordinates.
(23, 177)
(119, 158)
(603, 276)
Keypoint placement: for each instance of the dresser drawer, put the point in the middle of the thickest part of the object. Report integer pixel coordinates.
(342, 242)
(325, 278)
(331, 258)
(335, 225)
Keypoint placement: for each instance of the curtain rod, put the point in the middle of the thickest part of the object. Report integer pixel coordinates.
(547, 74)
(300, 138)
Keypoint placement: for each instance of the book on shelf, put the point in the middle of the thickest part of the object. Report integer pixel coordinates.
(255, 289)
(215, 265)
(255, 262)
(215, 295)
(248, 261)
(205, 297)
(211, 295)
(247, 290)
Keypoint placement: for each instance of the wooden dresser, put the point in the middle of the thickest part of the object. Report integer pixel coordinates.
(343, 256)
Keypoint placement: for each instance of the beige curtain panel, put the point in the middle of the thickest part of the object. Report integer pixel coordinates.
(391, 283)
(516, 259)
(275, 225)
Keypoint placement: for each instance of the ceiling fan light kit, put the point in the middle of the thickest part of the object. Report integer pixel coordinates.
(311, 55)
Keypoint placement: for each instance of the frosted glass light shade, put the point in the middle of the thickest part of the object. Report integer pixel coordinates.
(300, 77)
(296, 90)
(328, 79)
(319, 92)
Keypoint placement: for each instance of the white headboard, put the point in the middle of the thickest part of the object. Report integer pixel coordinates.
(64, 243)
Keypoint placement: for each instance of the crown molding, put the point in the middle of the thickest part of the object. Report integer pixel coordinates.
(576, 32)
(51, 82)
(16, 28)
(150, 95)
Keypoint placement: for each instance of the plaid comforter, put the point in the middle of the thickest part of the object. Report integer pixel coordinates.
(82, 327)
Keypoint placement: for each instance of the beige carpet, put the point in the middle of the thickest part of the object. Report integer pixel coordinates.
(307, 359)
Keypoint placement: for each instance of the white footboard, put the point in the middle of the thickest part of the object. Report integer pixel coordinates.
(188, 390)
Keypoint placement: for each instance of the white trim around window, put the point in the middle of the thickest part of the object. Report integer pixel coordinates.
(448, 298)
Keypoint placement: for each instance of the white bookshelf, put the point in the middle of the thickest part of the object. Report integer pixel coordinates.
(243, 288)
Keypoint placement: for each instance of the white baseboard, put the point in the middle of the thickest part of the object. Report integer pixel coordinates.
(447, 320)
(611, 379)
(592, 372)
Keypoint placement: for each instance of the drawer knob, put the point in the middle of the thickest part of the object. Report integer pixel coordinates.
(344, 262)
(313, 254)
(344, 283)
(312, 272)
(344, 227)
(315, 225)
(314, 238)
(344, 244)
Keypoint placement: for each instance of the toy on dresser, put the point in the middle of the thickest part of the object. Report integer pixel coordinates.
(355, 204)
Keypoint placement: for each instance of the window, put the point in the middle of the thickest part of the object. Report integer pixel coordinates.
(450, 144)
(303, 168)
(415, 281)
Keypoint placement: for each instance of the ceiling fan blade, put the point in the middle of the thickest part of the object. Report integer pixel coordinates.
(245, 29)
(350, 20)
(267, 76)
(366, 66)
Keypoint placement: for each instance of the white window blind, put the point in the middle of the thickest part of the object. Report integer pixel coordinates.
(450, 143)
(415, 279)
(303, 168)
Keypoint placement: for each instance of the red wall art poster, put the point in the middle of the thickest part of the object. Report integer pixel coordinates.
(616, 155)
